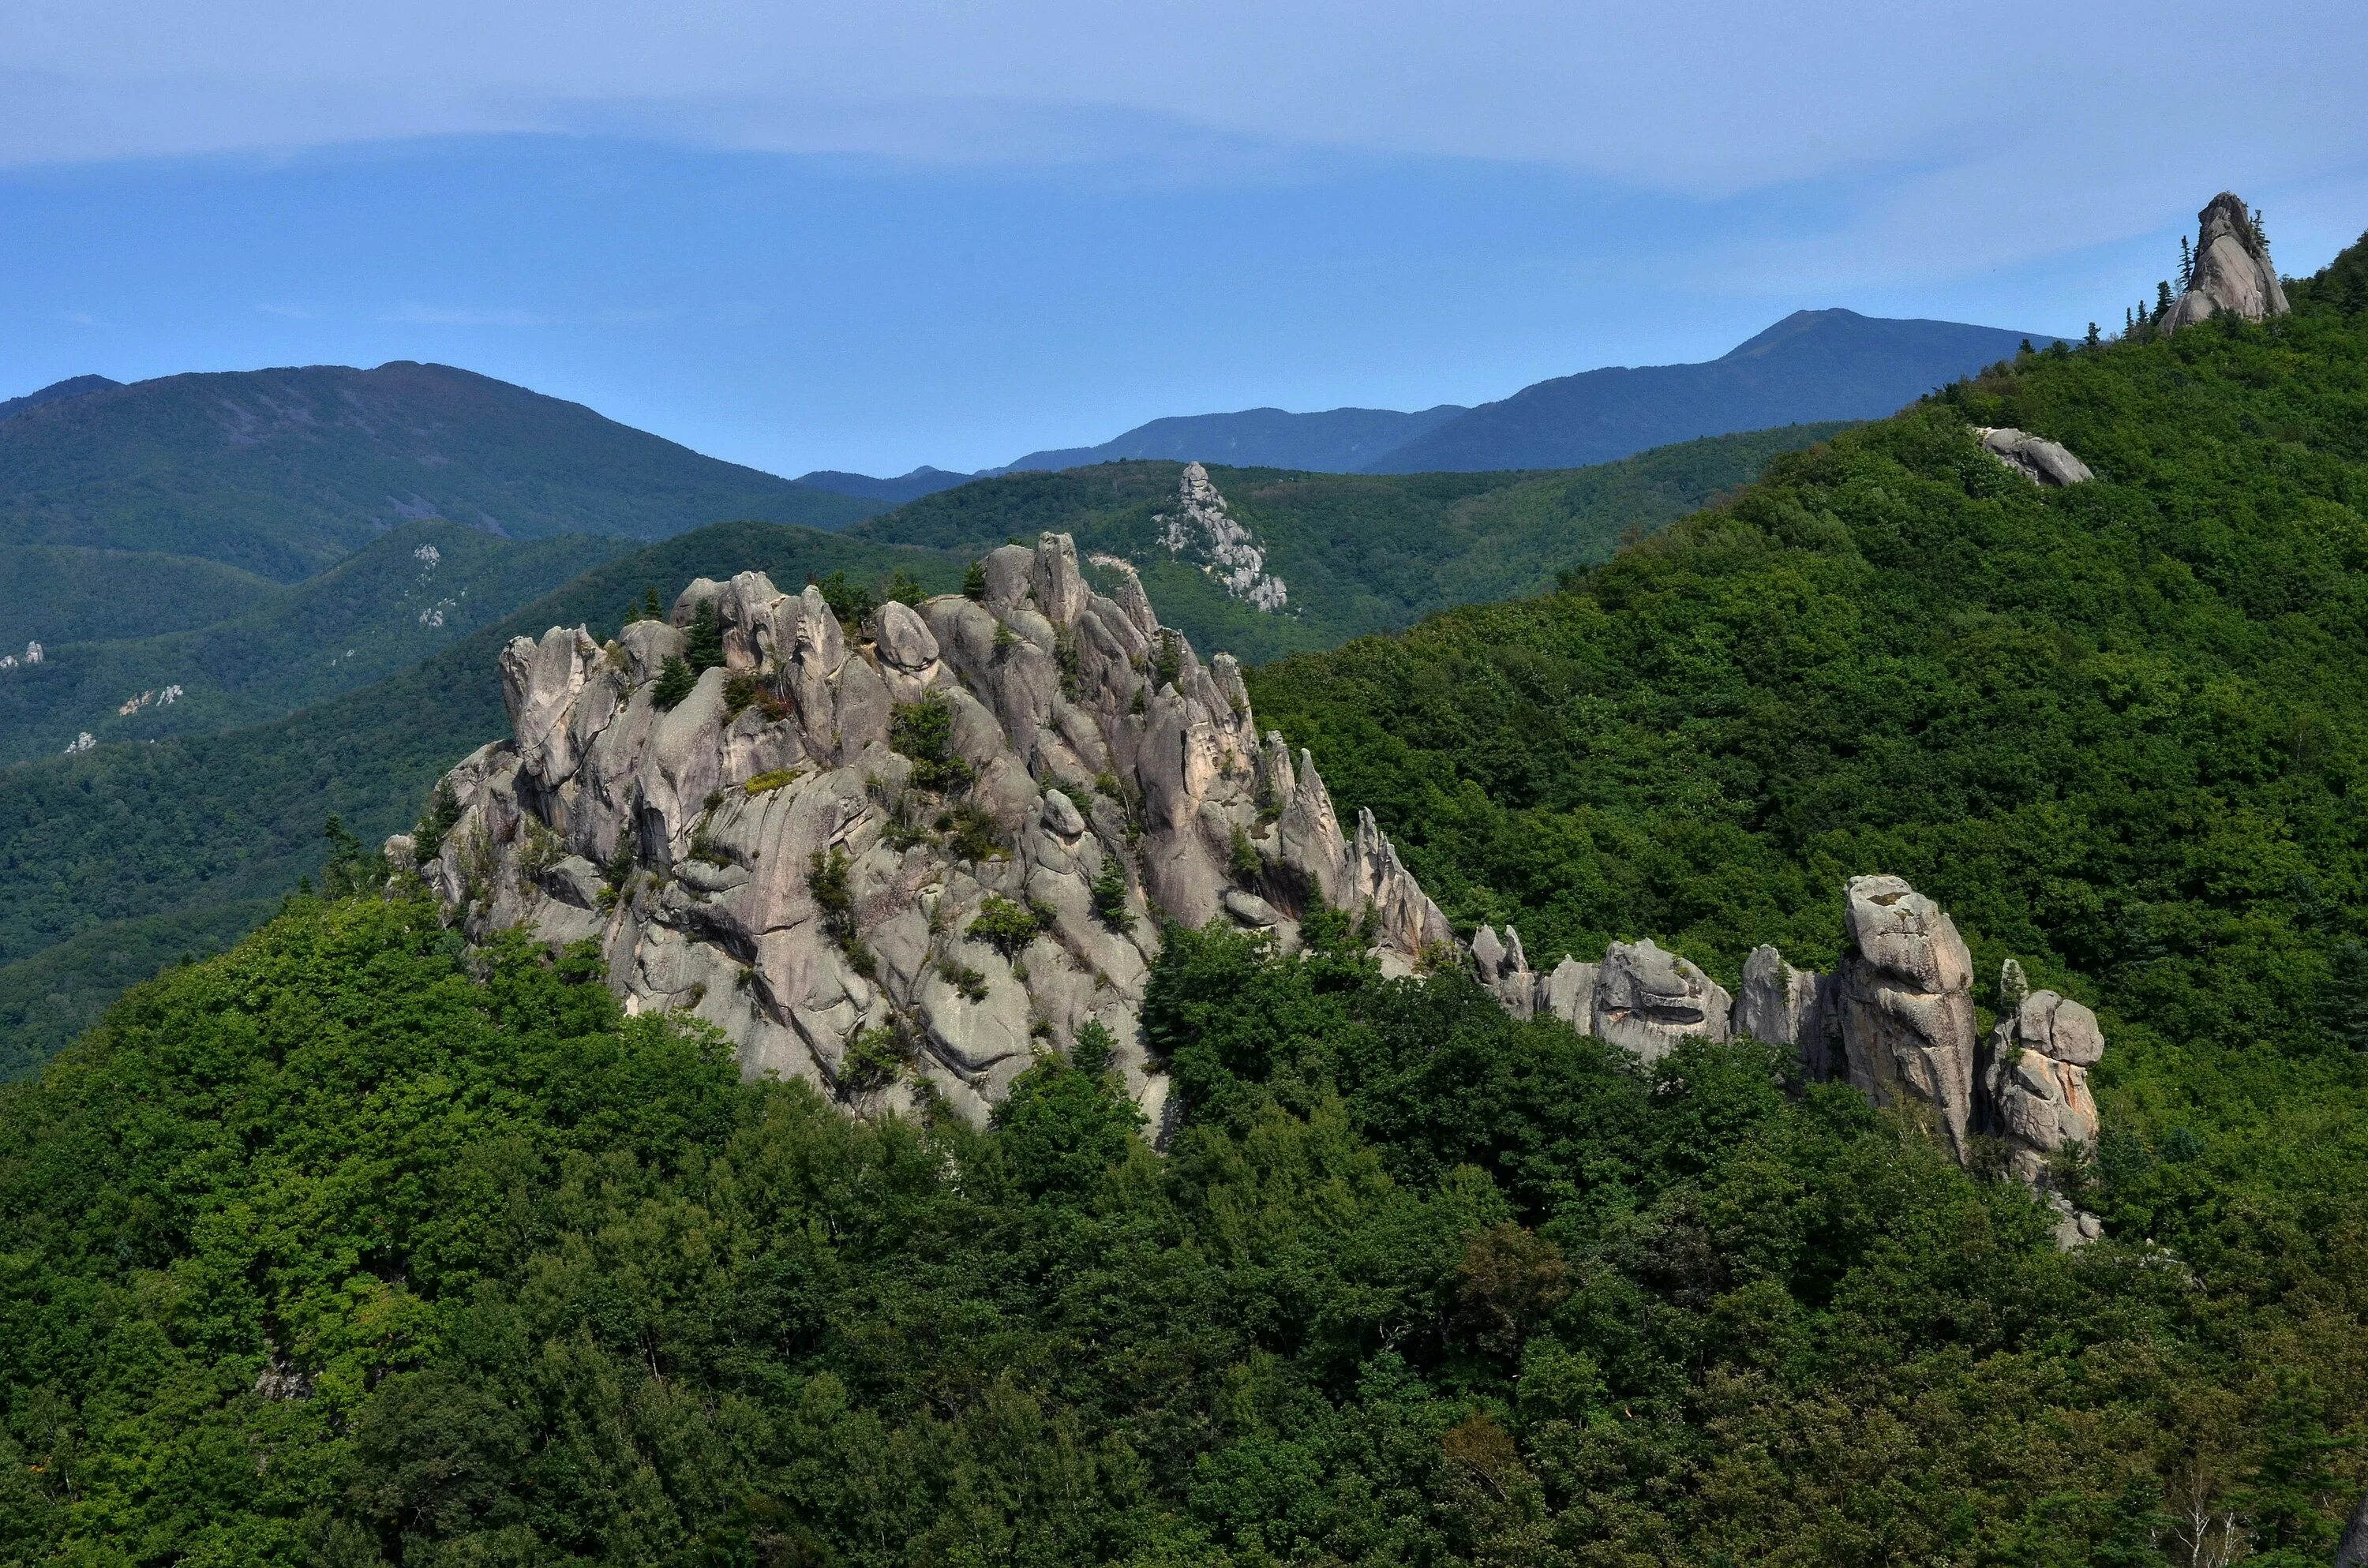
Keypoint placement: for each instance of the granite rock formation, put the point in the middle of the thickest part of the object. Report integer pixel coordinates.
(1203, 530)
(903, 858)
(2042, 462)
(1904, 998)
(2232, 269)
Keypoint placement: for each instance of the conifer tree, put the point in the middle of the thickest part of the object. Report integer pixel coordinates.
(2092, 339)
(2162, 299)
(2186, 264)
(703, 649)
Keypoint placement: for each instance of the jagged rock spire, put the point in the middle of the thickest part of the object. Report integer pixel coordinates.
(2232, 271)
(903, 858)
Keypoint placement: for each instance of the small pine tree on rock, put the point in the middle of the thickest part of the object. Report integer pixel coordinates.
(704, 646)
(676, 681)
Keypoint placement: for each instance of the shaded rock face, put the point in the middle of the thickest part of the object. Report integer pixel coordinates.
(1904, 995)
(1203, 530)
(2233, 272)
(886, 859)
(2040, 460)
(1784, 1005)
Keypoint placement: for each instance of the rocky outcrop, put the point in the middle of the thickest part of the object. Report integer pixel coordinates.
(1904, 995)
(2034, 1074)
(899, 860)
(2040, 460)
(1203, 530)
(1647, 1000)
(1784, 1005)
(2231, 272)
(1896, 1021)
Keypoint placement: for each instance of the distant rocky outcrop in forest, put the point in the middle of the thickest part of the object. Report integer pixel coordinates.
(1894, 1020)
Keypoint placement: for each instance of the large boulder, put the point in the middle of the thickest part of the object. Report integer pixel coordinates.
(1647, 1000)
(2042, 462)
(2232, 271)
(2035, 1074)
(1905, 1000)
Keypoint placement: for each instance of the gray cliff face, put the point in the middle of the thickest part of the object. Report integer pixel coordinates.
(2233, 272)
(787, 854)
(904, 859)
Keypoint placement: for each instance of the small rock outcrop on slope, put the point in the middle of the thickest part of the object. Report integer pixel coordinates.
(1204, 529)
(2038, 460)
(1895, 1021)
(2232, 271)
(912, 853)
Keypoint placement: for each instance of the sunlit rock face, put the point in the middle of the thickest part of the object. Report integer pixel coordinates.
(901, 860)
(2232, 271)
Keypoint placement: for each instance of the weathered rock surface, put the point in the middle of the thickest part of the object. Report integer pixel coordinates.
(2042, 462)
(2231, 272)
(1784, 1005)
(1904, 995)
(2035, 1080)
(1647, 1000)
(1203, 530)
(798, 850)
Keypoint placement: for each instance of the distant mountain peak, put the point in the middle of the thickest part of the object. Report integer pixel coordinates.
(72, 386)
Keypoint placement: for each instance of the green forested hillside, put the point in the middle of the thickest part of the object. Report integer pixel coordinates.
(175, 830)
(2120, 730)
(1360, 553)
(349, 1248)
(386, 607)
(64, 594)
(283, 473)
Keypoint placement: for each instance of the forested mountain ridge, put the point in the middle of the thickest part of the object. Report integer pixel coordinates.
(391, 603)
(283, 471)
(1354, 553)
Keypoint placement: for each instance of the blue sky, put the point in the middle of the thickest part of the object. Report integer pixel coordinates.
(869, 237)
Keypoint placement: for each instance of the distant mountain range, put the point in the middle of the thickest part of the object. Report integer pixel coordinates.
(1812, 366)
(284, 471)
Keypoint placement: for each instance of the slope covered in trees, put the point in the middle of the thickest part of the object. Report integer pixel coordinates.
(352, 1247)
(176, 830)
(1359, 553)
(391, 603)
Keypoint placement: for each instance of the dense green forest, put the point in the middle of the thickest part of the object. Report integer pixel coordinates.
(379, 610)
(351, 1247)
(178, 830)
(66, 594)
(1360, 553)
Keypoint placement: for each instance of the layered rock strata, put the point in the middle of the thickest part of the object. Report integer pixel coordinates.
(2231, 272)
(902, 859)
